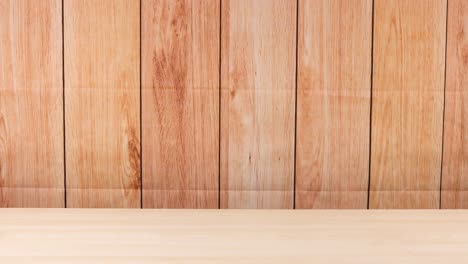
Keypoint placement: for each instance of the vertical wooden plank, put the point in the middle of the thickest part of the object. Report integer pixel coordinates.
(31, 100)
(102, 102)
(333, 111)
(180, 103)
(455, 161)
(257, 103)
(407, 103)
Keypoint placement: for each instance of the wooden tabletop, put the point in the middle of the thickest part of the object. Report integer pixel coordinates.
(232, 236)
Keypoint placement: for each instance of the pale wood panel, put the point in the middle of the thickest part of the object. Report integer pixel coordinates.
(257, 103)
(31, 100)
(407, 103)
(455, 159)
(234, 236)
(333, 111)
(180, 103)
(102, 102)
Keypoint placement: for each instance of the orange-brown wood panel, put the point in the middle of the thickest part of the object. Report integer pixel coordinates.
(31, 100)
(333, 103)
(180, 103)
(455, 159)
(102, 102)
(257, 103)
(407, 103)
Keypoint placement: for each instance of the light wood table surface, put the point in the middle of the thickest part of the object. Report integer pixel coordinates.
(234, 236)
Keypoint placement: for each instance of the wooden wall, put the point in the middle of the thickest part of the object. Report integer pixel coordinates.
(234, 103)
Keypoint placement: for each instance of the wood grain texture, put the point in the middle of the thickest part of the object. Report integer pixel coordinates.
(333, 103)
(455, 159)
(233, 236)
(407, 103)
(257, 103)
(31, 99)
(180, 103)
(102, 103)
